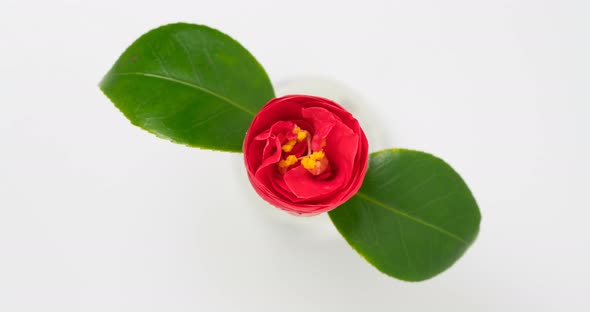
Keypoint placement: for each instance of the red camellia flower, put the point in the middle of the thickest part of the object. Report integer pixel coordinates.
(305, 154)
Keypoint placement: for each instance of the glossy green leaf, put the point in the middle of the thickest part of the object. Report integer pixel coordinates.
(190, 84)
(412, 218)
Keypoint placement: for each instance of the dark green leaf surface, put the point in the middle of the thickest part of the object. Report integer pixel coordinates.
(190, 84)
(412, 218)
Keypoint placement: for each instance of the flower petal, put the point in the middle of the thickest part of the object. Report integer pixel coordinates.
(304, 185)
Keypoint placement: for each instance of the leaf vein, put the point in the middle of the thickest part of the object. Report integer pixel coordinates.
(403, 241)
(413, 218)
(188, 57)
(191, 85)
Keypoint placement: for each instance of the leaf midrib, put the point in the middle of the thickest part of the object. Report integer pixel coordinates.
(188, 84)
(413, 218)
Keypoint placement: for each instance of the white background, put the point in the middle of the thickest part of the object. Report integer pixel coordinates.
(98, 215)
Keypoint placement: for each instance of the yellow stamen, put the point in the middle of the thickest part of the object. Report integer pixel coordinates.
(317, 155)
(290, 160)
(301, 135)
(310, 162)
(289, 146)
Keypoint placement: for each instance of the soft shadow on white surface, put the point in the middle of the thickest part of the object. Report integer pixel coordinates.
(348, 97)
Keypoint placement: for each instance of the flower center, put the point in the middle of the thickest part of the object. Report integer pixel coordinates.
(315, 162)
